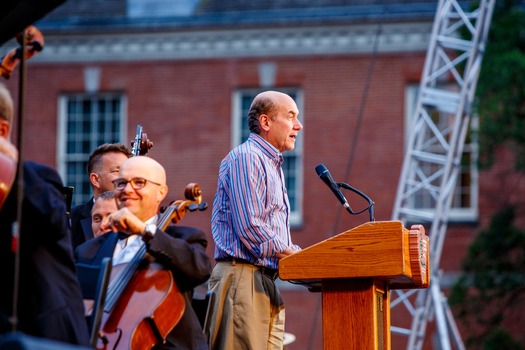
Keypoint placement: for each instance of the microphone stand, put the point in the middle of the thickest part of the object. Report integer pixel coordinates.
(370, 207)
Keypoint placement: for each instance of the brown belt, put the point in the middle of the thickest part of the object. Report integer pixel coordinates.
(272, 273)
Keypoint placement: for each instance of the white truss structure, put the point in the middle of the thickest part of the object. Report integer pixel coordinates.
(433, 154)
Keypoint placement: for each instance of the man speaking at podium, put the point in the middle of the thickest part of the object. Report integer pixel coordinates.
(251, 230)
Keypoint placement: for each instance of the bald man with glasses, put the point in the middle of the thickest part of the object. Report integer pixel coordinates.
(139, 190)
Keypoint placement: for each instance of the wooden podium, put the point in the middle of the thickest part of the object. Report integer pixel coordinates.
(356, 271)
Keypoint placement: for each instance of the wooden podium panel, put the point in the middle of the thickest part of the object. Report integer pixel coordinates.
(354, 314)
(356, 270)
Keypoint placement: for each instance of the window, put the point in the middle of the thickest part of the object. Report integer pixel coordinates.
(86, 121)
(465, 195)
(293, 160)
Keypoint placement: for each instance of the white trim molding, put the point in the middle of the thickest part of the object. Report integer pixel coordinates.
(209, 44)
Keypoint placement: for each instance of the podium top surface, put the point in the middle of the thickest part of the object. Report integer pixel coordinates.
(379, 249)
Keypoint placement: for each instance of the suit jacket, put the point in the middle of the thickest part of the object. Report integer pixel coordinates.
(49, 298)
(81, 223)
(180, 249)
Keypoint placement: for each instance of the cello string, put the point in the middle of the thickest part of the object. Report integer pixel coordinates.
(118, 284)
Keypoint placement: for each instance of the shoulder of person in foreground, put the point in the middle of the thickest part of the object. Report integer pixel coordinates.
(42, 173)
(44, 198)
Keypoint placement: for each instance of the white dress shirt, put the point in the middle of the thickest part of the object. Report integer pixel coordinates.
(128, 247)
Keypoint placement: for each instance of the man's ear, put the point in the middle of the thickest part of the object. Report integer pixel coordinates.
(162, 193)
(264, 121)
(5, 127)
(93, 178)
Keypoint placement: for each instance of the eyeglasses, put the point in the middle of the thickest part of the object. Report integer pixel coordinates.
(137, 183)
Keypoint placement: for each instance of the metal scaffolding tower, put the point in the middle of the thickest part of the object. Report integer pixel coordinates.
(433, 154)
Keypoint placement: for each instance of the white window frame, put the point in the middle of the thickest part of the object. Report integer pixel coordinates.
(93, 137)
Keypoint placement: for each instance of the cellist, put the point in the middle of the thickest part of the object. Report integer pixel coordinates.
(140, 189)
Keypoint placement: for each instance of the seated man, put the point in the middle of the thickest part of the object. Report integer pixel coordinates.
(139, 189)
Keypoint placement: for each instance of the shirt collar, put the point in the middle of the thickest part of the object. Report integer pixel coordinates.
(266, 147)
(152, 220)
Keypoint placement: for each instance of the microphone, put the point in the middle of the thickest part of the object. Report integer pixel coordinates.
(325, 175)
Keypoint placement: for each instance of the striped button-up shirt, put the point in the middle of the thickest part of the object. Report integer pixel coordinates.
(250, 217)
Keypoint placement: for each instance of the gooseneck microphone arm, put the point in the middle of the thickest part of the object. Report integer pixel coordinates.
(370, 207)
(325, 175)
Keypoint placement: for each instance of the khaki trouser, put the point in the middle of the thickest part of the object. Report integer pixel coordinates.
(245, 309)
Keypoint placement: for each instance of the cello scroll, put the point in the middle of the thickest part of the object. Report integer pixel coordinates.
(141, 144)
(35, 44)
(177, 209)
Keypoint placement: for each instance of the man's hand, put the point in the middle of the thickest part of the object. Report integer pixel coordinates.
(124, 221)
(286, 252)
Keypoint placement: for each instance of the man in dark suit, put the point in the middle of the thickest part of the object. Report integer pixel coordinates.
(48, 298)
(102, 168)
(140, 189)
